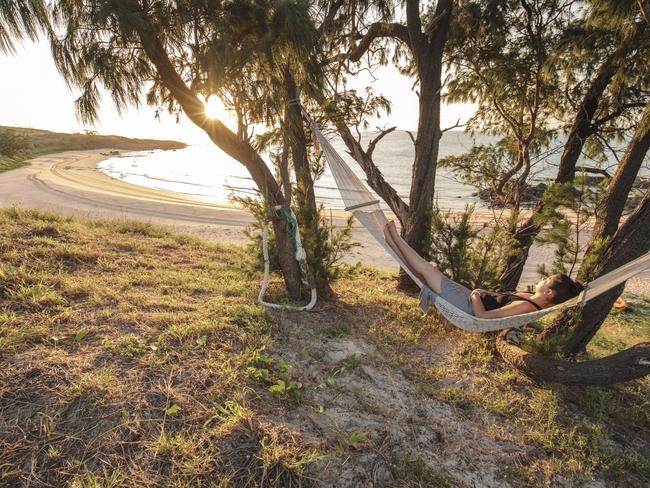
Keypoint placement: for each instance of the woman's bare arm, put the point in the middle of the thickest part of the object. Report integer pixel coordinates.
(509, 310)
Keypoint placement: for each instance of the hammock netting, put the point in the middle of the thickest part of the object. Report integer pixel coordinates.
(365, 208)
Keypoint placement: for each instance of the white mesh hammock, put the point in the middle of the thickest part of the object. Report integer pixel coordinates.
(365, 208)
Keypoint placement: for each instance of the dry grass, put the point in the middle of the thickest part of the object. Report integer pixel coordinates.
(9, 164)
(134, 356)
(105, 327)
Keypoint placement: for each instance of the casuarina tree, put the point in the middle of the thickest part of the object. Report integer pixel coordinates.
(175, 55)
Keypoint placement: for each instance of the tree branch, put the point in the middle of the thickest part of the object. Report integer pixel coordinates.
(410, 133)
(597, 171)
(378, 30)
(644, 5)
(621, 108)
(373, 143)
(221, 135)
(455, 126)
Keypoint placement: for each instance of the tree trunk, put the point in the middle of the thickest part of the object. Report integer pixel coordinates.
(427, 51)
(607, 219)
(580, 131)
(609, 213)
(629, 242)
(624, 366)
(228, 142)
(313, 240)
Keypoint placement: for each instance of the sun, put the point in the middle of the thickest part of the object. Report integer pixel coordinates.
(214, 108)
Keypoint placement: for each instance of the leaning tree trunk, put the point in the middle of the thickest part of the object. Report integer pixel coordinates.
(630, 241)
(227, 141)
(607, 218)
(427, 51)
(313, 239)
(609, 213)
(581, 130)
(624, 366)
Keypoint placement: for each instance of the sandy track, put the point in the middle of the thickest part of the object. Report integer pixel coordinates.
(69, 183)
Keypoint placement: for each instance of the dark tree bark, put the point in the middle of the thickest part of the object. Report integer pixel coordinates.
(227, 141)
(607, 220)
(581, 129)
(426, 44)
(427, 48)
(304, 194)
(630, 241)
(624, 366)
(609, 214)
(608, 217)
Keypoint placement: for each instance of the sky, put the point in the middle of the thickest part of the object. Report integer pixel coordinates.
(33, 94)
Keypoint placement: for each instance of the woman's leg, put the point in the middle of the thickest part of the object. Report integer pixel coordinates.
(420, 266)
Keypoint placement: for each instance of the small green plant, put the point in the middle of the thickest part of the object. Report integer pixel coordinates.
(344, 367)
(285, 386)
(230, 410)
(275, 373)
(53, 453)
(469, 254)
(128, 346)
(173, 410)
(258, 373)
(454, 396)
(80, 336)
(356, 438)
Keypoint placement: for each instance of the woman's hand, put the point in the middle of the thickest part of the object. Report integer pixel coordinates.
(479, 293)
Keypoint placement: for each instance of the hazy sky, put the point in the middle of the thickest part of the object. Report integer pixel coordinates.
(33, 94)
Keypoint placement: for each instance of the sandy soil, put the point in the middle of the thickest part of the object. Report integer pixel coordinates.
(69, 183)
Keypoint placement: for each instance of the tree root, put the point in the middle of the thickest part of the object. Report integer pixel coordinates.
(623, 366)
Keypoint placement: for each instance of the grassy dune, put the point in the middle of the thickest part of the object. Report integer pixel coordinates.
(9, 164)
(45, 142)
(136, 356)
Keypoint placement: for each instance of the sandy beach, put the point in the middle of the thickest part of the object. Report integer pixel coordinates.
(70, 183)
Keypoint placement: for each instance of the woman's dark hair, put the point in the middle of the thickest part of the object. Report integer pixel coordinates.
(565, 289)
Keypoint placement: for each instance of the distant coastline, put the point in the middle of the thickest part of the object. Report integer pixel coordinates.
(48, 142)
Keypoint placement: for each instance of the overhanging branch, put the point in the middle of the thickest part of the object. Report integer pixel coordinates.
(373, 143)
(375, 31)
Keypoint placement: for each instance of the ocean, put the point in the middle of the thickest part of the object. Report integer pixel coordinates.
(206, 173)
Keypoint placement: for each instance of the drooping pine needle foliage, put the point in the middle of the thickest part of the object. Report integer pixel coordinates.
(499, 53)
(175, 55)
(20, 19)
(602, 59)
(565, 218)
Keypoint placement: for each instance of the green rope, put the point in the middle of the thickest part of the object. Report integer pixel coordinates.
(291, 223)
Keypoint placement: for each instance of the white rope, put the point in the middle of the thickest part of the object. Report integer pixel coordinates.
(301, 257)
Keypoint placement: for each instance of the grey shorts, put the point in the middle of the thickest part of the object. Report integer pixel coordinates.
(455, 293)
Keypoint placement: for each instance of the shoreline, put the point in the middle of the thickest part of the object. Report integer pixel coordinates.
(71, 184)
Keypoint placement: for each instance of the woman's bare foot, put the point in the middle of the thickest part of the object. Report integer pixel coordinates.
(390, 230)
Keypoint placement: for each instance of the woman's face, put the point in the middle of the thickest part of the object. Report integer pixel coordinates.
(544, 285)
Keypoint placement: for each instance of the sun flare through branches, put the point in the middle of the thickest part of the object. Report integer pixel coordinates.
(215, 109)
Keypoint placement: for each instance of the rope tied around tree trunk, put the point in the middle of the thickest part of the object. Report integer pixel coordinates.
(293, 232)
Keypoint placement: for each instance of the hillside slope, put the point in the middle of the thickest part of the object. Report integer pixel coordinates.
(135, 356)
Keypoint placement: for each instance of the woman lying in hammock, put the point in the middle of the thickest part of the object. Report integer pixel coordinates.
(480, 303)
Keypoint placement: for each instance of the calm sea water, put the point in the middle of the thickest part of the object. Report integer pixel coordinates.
(206, 173)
